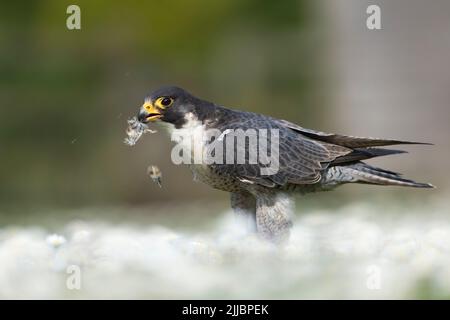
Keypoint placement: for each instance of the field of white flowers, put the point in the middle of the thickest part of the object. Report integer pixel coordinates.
(359, 251)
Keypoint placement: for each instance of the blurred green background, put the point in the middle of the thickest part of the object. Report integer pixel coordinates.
(66, 95)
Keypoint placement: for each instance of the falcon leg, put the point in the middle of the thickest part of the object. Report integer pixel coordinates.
(273, 216)
(244, 206)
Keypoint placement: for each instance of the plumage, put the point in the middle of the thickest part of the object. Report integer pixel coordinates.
(308, 160)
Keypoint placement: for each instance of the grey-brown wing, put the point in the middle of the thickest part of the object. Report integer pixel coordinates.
(300, 159)
(344, 140)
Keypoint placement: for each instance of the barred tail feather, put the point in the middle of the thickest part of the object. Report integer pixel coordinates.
(361, 172)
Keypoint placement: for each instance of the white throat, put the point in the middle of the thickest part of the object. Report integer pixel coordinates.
(189, 135)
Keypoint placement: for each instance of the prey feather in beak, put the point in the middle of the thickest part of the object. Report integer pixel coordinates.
(149, 112)
(135, 130)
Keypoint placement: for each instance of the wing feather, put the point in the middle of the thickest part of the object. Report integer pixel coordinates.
(343, 140)
(301, 158)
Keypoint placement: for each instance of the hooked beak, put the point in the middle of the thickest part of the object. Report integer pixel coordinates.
(149, 112)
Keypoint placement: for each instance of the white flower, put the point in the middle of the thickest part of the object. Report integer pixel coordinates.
(55, 240)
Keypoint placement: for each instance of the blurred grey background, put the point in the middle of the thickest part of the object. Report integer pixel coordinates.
(66, 95)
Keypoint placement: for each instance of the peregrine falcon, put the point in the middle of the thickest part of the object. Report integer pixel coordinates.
(307, 160)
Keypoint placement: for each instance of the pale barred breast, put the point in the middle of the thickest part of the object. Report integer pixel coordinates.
(208, 176)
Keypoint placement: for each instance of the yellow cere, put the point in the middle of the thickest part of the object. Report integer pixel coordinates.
(148, 106)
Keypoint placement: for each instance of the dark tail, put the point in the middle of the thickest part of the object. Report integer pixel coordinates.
(364, 154)
(361, 172)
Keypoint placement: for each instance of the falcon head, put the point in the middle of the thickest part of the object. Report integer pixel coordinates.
(168, 104)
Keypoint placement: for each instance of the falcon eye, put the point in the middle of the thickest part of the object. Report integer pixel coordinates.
(166, 101)
(163, 102)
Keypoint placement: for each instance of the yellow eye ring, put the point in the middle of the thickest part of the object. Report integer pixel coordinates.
(163, 102)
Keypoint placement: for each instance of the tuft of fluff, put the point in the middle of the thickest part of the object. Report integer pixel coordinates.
(135, 130)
